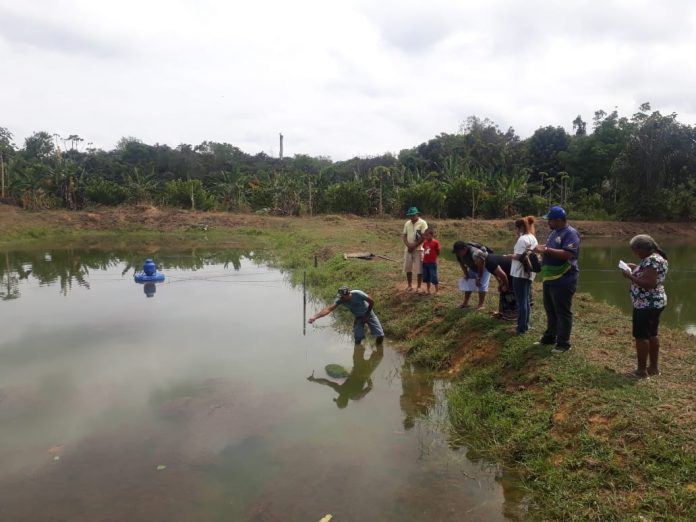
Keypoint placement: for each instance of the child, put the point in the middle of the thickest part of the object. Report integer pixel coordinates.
(431, 249)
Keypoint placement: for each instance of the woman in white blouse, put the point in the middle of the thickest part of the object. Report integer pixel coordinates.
(521, 275)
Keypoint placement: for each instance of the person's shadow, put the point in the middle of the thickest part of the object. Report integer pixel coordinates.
(359, 381)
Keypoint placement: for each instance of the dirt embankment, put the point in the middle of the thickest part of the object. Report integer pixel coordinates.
(14, 219)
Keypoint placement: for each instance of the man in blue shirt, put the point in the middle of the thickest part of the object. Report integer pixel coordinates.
(360, 304)
(559, 272)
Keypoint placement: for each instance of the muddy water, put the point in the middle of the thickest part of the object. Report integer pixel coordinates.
(195, 403)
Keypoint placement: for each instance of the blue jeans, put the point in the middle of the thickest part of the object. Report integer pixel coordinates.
(430, 273)
(372, 322)
(522, 287)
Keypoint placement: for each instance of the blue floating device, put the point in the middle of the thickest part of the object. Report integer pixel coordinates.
(150, 273)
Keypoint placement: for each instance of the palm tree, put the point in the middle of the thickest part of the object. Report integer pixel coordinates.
(510, 189)
(29, 186)
(141, 187)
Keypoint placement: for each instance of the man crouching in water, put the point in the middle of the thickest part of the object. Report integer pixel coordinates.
(360, 304)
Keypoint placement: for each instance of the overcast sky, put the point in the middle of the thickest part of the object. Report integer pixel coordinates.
(339, 79)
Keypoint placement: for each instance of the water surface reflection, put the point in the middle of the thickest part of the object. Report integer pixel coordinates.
(195, 405)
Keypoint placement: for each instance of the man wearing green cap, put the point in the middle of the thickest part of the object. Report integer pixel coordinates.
(413, 254)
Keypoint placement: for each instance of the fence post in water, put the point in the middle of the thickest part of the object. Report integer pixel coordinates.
(304, 303)
(315, 261)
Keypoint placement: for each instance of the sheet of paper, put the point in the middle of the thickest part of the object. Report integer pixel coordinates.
(623, 266)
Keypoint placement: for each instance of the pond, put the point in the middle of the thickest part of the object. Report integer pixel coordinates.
(600, 276)
(191, 401)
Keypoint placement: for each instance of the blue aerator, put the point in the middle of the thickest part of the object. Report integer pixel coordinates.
(150, 273)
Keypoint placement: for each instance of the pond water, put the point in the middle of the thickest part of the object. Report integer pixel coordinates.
(195, 404)
(600, 276)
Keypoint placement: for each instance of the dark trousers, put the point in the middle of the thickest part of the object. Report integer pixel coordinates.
(522, 287)
(558, 301)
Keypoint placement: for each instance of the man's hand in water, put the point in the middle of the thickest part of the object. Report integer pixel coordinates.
(311, 377)
(311, 320)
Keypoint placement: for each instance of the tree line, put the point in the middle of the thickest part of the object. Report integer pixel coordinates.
(640, 167)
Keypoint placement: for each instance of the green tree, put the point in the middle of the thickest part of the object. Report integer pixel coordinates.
(30, 187)
(589, 159)
(509, 191)
(545, 146)
(7, 150)
(140, 188)
(658, 157)
(230, 189)
(38, 146)
(579, 126)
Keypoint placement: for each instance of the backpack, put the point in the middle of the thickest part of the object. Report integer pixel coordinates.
(479, 246)
(530, 262)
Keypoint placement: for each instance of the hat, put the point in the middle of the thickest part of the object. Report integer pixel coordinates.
(555, 213)
(344, 290)
(412, 211)
(459, 245)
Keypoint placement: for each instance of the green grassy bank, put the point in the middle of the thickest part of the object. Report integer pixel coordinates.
(588, 442)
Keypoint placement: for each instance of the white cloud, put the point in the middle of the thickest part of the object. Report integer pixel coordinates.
(338, 79)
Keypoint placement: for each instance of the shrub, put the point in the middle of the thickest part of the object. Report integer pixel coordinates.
(187, 194)
(100, 191)
(350, 197)
(428, 196)
(460, 197)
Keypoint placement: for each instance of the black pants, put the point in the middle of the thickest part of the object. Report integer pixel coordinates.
(558, 301)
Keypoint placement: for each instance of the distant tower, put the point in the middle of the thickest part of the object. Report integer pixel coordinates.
(281, 145)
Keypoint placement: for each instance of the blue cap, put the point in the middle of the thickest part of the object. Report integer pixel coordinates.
(555, 213)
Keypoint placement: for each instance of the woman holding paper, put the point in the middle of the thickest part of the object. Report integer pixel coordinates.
(649, 299)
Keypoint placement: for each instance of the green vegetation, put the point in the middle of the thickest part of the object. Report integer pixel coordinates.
(591, 443)
(479, 172)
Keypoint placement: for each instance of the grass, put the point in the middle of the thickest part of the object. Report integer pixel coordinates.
(587, 442)
(591, 443)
